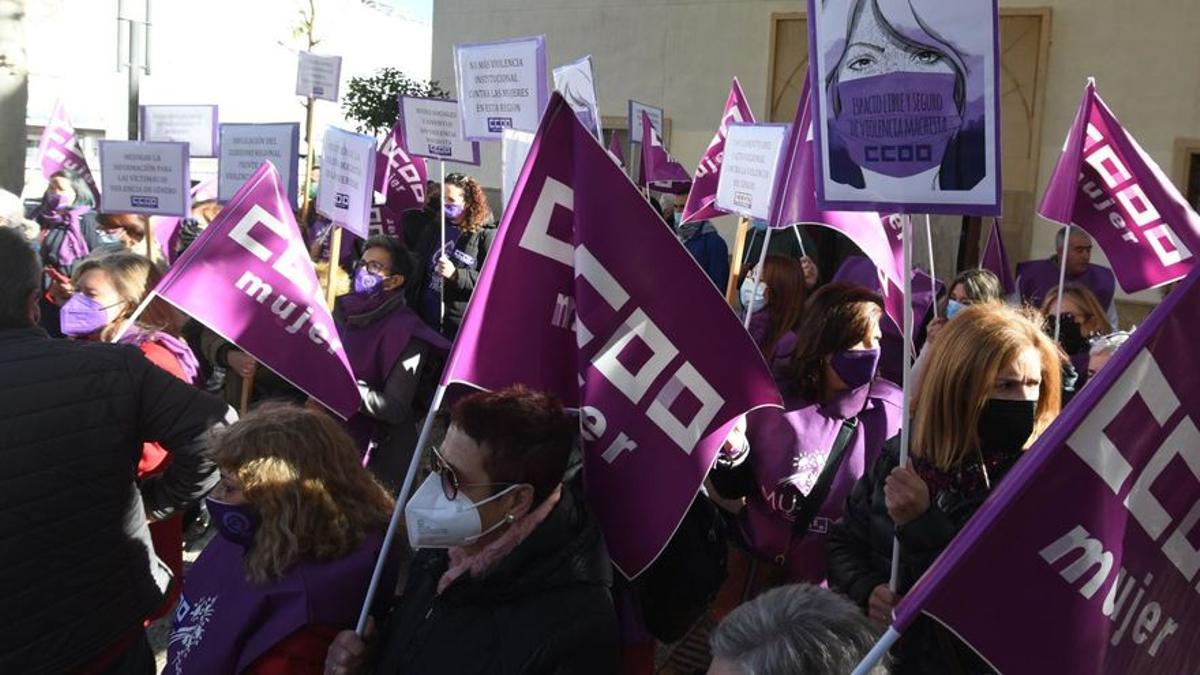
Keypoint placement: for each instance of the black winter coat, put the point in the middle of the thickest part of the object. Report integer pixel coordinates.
(544, 608)
(79, 571)
(860, 558)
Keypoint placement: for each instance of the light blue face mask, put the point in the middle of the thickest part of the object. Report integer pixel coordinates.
(753, 294)
(954, 307)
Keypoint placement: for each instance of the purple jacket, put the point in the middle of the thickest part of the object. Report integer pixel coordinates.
(787, 452)
(1036, 277)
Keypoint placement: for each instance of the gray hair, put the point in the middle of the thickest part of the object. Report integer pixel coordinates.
(12, 214)
(20, 278)
(1062, 234)
(796, 630)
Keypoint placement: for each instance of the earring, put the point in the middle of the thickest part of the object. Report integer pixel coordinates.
(509, 518)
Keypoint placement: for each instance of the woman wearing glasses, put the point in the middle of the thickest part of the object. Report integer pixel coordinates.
(391, 352)
(511, 575)
(300, 525)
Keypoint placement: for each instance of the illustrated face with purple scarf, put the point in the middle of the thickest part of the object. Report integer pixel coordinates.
(896, 95)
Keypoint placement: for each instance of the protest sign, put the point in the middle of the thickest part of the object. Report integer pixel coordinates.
(700, 202)
(750, 170)
(244, 147)
(1106, 184)
(318, 76)
(1087, 543)
(564, 305)
(248, 278)
(501, 85)
(399, 175)
(347, 185)
(907, 112)
(576, 82)
(59, 149)
(195, 125)
(432, 129)
(514, 148)
(636, 109)
(145, 177)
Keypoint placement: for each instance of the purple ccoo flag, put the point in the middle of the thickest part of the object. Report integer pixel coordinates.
(658, 170)
(59, 149)
(701, 202)
(995, 259)
(564, 305)
(614, 149)
(1087, 548)
(399, 175)
(248, 277)
(1106, 184)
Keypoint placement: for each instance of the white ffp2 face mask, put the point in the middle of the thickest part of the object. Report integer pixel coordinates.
(436, 522)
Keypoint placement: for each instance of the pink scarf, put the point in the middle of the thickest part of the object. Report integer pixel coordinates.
(480, 563)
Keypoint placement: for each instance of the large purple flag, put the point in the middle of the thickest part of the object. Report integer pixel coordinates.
(878, 237)
(59, 149)
(399, 175)
(1106, 184)
(564, 304)
(1087, 550)
(701, 202)
(995, 259)
(658, 170)
(248, 277)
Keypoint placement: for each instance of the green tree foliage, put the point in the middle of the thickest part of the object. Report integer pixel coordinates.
(372, 101)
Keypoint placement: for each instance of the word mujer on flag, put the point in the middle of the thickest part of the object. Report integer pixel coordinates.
(565, 305)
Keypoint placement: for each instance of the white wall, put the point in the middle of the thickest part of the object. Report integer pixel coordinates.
(682, 54)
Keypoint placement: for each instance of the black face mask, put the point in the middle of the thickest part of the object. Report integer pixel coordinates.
(1004, 426)
(1070, 336)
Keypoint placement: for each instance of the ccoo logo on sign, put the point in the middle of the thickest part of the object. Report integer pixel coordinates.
(341, 200)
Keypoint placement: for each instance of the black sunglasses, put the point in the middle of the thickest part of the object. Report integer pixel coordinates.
(450, 482)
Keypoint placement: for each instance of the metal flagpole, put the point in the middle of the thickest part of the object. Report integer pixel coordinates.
(1062, 279)
(762, 257)
(799, 239)
(442, 248)
(401, 498)
(885, 643)
(906, 424)
(932, 274)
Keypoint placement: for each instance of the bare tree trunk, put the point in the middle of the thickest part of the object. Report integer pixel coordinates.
(14, 94)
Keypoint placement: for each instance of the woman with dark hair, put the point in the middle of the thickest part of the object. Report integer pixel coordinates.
(992, 387)
(109, 288)
(68, 234)
(511, 574)
(300, 524)
(455, 267)
(796, 466)
(391, 351)
(778, 300)
(129, 231)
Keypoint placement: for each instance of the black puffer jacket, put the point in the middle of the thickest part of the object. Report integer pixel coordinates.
(79, 571)
(545, 608)
(474, 246)
(860, 558)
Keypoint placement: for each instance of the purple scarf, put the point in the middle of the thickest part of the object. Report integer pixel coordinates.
(74, 246)
(178, 348)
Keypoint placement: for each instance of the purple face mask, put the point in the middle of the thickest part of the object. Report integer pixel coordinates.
(81, 316)
(235, 522)
(855, 367)
(365, 283)
(897, 124)
(53, 201)
(453, 211)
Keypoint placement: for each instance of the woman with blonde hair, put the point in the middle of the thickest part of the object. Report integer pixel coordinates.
(300, 525)
(1082, 320)
(991, 389)
(108, 290)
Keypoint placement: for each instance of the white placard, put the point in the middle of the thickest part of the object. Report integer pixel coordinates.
(145, 177)
(514, 148)
(501, 85)
(347, 180)
(318, 76)
(195, 125)
(577, 83)
(635, 120)
(749, 168)
(432, 129)
(244, 147)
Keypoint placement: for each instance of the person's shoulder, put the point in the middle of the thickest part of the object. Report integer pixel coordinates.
(1101, 270)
